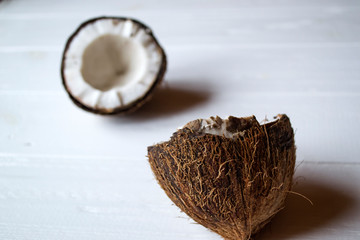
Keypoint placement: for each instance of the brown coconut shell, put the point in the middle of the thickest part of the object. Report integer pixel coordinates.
(231, 186)
(124, 109)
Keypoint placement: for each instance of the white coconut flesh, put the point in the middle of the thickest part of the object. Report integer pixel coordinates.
(220, 127)
(111, 63)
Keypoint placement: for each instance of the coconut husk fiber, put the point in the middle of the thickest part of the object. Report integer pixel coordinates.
(233, 186)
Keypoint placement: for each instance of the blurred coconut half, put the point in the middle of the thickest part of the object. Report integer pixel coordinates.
(111, 65)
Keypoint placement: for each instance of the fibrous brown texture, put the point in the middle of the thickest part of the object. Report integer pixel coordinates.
(233, 186)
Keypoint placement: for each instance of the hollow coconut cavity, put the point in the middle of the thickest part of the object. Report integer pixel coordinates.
(230, 175)
(111, 65)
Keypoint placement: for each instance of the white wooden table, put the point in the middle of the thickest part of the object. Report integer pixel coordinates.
(68, 174)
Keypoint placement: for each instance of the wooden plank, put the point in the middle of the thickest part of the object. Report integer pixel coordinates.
(326, 125)
(197, 26)
(97, 198)
(244, 69)
(76, 6)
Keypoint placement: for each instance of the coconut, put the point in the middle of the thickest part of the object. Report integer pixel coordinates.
(112, 65)
(230, 175)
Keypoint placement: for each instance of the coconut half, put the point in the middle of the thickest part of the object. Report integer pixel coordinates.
(230, 175)
(112, 65)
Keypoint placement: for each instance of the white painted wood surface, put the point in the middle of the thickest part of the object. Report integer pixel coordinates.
(68, 174)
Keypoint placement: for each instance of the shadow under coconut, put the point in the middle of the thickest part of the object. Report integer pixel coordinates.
(169, 100)
(300, 217)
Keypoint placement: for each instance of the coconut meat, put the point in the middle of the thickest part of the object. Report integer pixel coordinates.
(212, 125)
(111, 63)
(230, 127)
